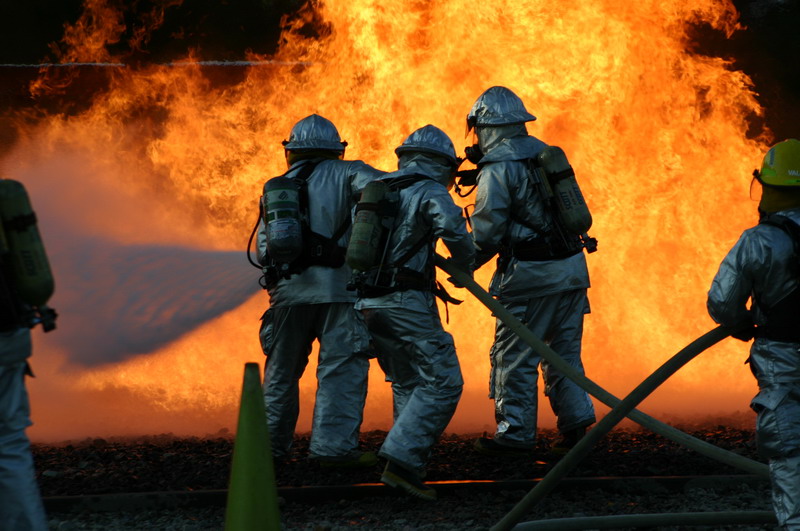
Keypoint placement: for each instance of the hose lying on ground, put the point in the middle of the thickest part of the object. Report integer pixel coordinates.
(734, 518)
(617, 413)
(654, 425)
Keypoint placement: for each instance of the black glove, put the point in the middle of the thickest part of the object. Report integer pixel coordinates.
(744, 332)
(483, 256)
(454, 282)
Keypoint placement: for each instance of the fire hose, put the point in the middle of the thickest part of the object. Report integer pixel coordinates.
(732, 518)
(654, 425)
(584, 446)
(620, 408)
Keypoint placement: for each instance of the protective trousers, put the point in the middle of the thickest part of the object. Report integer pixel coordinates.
(558, 320)
(20, 502)
(287, 334)
(419, 359)
(776, 366)
(784, 473)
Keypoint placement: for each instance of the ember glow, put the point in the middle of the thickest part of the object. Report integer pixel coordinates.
(168, 157)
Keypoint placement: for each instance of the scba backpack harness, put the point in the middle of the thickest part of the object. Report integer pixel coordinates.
(292, 247)
(553, 178)
(783, 319)
(373, 226)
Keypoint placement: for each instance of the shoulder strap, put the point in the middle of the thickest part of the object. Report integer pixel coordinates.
(341, 230)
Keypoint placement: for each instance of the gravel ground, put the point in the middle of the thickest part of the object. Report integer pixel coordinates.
(166, 463)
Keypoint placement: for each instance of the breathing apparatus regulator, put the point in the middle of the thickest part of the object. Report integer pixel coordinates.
(468, 177)
(26, 281)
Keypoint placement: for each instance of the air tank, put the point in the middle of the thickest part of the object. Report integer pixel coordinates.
(281, 207)
(567, 194)
(22, 253)
(366, 236)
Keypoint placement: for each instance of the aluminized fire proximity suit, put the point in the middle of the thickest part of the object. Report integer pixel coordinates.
(315, 304)
(762, 267)
(416, 353)
(20, 503)
(548, 296)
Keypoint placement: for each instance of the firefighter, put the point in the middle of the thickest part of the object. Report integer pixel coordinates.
(309, 300)
(25, 285)
(763, 267)
(397, 298)
(540, 277)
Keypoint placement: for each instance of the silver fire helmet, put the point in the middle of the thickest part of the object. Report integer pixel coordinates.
(429, 139)
(498, 106)
(312, 133)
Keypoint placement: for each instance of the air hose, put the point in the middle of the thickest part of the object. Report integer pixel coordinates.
(654, 425)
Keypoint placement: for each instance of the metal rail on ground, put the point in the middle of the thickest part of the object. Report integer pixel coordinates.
(131, 501)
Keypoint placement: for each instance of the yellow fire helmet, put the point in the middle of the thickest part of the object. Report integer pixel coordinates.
(781, 166)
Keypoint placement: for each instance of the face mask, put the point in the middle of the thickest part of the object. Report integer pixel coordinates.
(473, 153)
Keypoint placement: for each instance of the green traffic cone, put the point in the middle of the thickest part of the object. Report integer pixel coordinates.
(252, 494)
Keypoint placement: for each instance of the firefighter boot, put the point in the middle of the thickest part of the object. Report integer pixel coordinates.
(400, 477)
(566, 441)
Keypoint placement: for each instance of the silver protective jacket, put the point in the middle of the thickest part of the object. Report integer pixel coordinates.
(509, 210)
(759, 269)
(333, 190)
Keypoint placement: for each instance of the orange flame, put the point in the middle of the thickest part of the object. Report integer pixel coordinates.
(656, 136)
